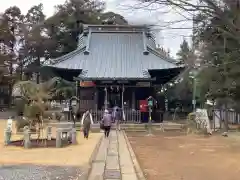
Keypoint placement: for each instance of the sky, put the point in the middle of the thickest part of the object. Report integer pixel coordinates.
(167, 37)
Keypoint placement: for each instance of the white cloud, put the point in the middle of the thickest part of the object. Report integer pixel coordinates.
(168, 38)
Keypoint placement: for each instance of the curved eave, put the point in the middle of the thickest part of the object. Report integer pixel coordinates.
(64, 73)
(66, 57)
(168, 59)
(165, 75)
(112, 79)
(59, 68)
(180, 68)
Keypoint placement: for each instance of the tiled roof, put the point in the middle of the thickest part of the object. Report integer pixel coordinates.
(114, 55)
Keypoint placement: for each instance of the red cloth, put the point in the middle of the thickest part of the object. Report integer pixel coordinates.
(143, 105)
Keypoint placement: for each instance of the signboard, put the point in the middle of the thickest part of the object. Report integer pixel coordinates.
(106, 82)
(150, 102)
(193, 101)
(122, 82)
(143, 84)
(87, 84)
(66, 109)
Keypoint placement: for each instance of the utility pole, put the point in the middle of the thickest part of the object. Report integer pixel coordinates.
(38, 68)
(150, 105)
(194, 92)
(194, 61)
(150, 121)
(11, 66)
(224, 80)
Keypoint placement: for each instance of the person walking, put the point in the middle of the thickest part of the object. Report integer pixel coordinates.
(107, 123)
(86, 122)
(118, 118)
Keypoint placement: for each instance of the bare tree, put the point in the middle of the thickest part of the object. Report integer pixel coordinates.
(202, 8)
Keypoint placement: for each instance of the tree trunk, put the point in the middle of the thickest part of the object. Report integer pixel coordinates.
(225, 121)
(21, 69)
(225, 118)
(10, 86)
(38, 66)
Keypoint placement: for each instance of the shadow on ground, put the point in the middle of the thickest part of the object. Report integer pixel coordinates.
(40, 172)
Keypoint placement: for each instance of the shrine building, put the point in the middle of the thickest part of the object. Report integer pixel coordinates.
(115, 65)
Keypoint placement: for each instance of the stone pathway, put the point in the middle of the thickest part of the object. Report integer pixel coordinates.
(113, 160)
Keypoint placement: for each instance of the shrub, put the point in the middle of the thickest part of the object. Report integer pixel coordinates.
(20, 123)
(191, 116)
(19, 106)
(191, 126)
(48, 114)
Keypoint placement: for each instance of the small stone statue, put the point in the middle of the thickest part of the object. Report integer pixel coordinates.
(58, 138)
(7, 135)
(26, 138)
(49, 133)
(10, 123)
(74, 136)
(62, 119)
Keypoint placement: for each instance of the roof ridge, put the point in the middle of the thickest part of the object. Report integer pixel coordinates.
(110, 25)
(116, 28)
(116, 32)
(155, 52)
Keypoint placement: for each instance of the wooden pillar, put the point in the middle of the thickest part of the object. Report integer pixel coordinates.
(122, 96)
(96, 98)
(123, 112)
(133, 99)
(76, 89)
(79, 95)
(106, 98)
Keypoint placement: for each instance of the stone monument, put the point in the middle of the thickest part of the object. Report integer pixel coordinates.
(202, 120)
(217, 119)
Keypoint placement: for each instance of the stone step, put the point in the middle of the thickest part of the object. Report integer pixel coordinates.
(135, 130)
(140, 126)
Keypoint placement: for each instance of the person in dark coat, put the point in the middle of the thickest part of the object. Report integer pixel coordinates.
(86, 124)
(107, 123)
(118, 118)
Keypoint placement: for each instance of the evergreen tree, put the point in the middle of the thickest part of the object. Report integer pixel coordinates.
(184, 54)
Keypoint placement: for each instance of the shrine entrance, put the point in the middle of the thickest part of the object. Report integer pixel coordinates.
(114, 97)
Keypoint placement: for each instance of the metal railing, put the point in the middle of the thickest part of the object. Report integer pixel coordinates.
(128, 116)
(232, 116)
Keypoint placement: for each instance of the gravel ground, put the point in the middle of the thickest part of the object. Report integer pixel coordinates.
(36, 172)
(173, 156)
